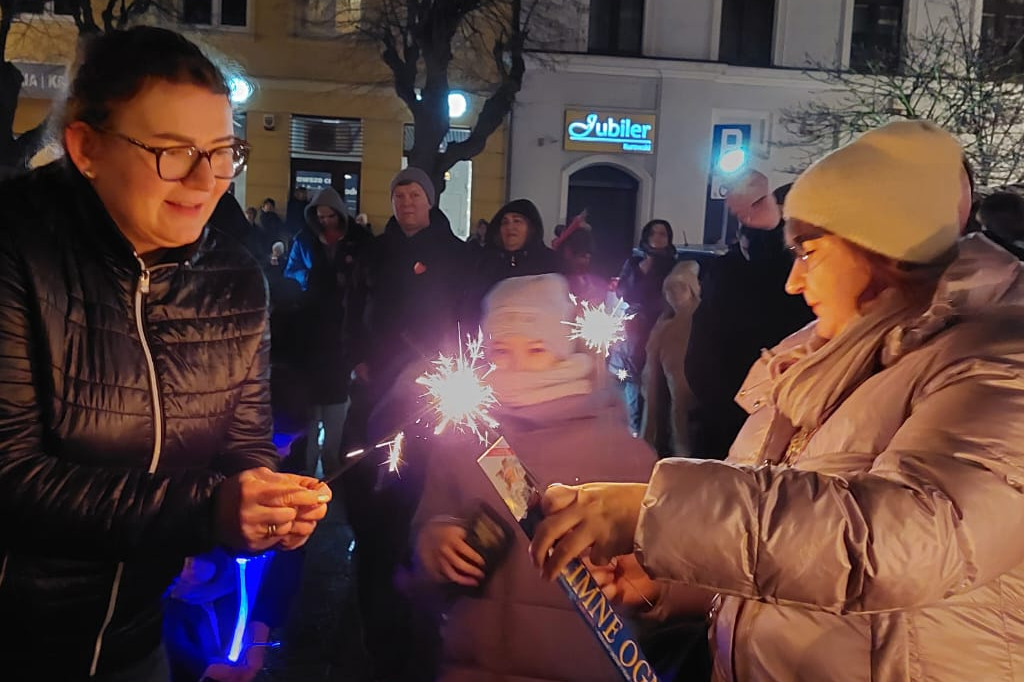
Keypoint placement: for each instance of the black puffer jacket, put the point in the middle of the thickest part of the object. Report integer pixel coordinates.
(126, 396)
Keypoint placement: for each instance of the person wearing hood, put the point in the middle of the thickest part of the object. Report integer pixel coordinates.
(322, 261)
(872, 501)
(502, 622)
(640, 283)
(514, 247)
(744, 307)
(667, 396)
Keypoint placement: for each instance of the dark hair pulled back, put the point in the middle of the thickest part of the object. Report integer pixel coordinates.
(115, 66)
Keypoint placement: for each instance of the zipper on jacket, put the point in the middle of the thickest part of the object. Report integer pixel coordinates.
(141, 290)
(106, 619)
(154, 388)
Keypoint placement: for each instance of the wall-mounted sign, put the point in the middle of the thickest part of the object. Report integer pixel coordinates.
(42, 81)
(589, 130)
(312, 180)
(729, 148)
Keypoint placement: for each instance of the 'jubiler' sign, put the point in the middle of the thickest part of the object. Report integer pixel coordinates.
(609, 132)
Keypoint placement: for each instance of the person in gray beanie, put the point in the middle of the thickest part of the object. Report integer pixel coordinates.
(413, 175)
(406, 304)
(322, 261)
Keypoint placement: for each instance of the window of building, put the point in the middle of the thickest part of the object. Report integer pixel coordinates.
(218, 13)
(616, 27)
(877, 35)
(746, 32)
(1002, 29)
(54, 7)
(329, 17)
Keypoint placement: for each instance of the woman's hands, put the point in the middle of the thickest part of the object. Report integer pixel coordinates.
(625, 582)
(446, 556)
(258, 509)
(598, 516)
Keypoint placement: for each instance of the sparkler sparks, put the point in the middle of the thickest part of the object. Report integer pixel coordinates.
(457, 391)
(599, 327)
(622, 375)
(395, 449)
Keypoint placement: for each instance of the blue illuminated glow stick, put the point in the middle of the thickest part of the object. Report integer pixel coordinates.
(243, 612)
(244, 602)
(518, 489)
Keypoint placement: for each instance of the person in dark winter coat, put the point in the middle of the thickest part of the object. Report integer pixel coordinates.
(323, 262)
(639, 286)
(295, 213)
(514, 247)
(503, 622)
(1001, 216)
(744, 307)
(135, 424)
(409, 284)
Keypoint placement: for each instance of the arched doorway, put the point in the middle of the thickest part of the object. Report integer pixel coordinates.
(609, 194)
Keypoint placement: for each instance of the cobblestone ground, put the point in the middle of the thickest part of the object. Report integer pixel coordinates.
(321, 640)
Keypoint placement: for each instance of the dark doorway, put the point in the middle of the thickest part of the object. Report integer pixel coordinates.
(609, 195)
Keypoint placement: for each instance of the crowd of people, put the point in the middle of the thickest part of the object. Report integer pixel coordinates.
(814, 437)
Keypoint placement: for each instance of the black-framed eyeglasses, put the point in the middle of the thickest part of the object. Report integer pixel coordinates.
(178, 162)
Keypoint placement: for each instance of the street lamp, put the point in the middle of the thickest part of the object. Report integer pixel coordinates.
(457, 104)
(240, 90)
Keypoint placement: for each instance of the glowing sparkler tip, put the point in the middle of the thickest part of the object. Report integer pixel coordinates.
(599, 327)
(457, 391)
(622, 375)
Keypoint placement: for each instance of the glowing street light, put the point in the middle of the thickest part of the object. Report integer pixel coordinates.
(241, 90)
(732, 161)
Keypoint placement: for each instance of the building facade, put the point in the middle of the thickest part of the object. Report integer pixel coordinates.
(322, 108)
(632, 117)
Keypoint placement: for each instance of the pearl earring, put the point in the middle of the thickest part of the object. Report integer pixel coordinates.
(89, 174)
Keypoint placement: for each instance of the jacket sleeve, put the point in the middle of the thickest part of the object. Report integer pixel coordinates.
(52, 505)
(355, 333)
(929, 520)
(250, 435)
(298, 265)
(630, 279)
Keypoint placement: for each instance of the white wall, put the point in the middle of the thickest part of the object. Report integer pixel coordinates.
(681, 29)
(811, 32)
(687, 97)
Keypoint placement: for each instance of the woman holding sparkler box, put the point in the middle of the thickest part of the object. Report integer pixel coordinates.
(866, 524)
(503, 621)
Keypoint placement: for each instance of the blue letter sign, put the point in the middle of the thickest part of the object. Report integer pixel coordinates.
(602, 131)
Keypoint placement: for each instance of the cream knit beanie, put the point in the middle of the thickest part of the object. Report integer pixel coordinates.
(536, 306)
(894, 190)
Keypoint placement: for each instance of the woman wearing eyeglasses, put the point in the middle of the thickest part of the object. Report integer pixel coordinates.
(134, 402)
(867, 525)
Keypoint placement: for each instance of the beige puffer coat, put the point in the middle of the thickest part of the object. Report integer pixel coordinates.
(893, 547)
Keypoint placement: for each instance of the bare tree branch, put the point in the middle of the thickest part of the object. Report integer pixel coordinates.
(428, 44)
(946, 75)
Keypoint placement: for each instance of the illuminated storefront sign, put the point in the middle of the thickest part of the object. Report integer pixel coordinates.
(601, 131)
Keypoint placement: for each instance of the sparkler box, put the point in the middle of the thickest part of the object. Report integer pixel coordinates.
(521, 493)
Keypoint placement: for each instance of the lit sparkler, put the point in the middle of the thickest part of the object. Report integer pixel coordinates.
(395, 449)
(621, 374)
(457, 391)
(395, 446)
(600, 327)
